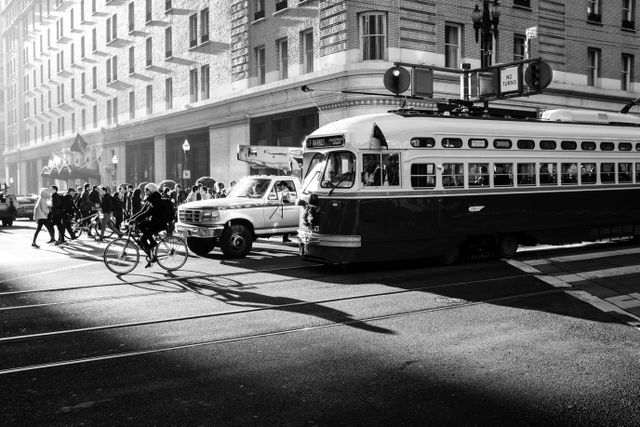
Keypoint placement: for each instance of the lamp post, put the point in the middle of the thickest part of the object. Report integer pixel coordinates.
(485, 24)
(114, 162)
(185, 148)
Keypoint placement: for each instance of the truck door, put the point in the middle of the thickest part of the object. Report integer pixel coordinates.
(287, 211)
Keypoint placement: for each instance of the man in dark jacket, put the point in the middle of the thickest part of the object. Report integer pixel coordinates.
(85, 205)
(56, 213)
(106, 205)
(152, 218)
(68, 212)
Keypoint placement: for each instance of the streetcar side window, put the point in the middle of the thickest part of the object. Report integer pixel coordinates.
(502, 144)
(478, 143)
(423, 175)
(452, 175)
(607, 146)
(588, 145)
(588, 173)
(637, 146)
(547, 145)
(451, 143)
(526, 144)
(526, 174)
(568, 145)
(638, 172)
(478, 175)
(548, 174)
(423, 142)
(503, 175)
(380, 169)
(607, 173)
(624, 146)
(569, 173)
(625, 172)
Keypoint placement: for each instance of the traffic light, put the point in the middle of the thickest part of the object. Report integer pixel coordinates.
(538, 75)
(396, 80)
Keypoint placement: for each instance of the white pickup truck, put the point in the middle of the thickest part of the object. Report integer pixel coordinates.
(258, 206)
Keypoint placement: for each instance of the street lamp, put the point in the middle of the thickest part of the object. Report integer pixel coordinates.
(483, 21)
(185, 148)
(114, 162)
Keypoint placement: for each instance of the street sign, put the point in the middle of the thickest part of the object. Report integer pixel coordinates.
(510, 80)
(186, 174)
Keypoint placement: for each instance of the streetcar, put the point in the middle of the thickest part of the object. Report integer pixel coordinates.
(406, 184)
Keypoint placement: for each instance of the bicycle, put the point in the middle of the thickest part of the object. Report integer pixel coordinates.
(88, 224)
(122, 255)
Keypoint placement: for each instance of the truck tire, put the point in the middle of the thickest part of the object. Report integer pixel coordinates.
(236, 241)
(200, 247)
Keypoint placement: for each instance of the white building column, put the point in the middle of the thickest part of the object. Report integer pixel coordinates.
(160, 157)
(224, 139)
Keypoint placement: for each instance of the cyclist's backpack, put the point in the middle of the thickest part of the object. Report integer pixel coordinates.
(167, 210)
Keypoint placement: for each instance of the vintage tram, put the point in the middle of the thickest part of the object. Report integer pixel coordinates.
(406, 184)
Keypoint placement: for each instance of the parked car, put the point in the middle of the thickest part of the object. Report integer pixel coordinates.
(25, 206)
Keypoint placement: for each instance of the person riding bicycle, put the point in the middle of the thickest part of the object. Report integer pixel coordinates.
(153, 218)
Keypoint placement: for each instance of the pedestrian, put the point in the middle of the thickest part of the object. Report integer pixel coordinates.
(56, 213)
(218, 188)
(136, 201)
(204, 193)
(181, 196)
(41, 213)
(68, 212)
(194, 195)
(86, 207)
(106, 206)
(94, 197)
(118, 206)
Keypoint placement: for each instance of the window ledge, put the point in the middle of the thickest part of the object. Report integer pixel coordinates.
(521, 7)
(628, 30)
(258, 20)
(281, 11)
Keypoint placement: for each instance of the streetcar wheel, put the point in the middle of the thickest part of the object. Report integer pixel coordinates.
(450, 256)
(507, 245)
(201, 246)
(236, 241)
(171, 253)
(121, 256)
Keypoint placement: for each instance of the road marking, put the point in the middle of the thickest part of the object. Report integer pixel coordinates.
(584, 257)
(600, 274)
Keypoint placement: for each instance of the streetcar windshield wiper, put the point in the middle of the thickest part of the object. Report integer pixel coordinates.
(342, 179)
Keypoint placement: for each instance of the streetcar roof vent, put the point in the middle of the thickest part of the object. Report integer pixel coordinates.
(586, 116)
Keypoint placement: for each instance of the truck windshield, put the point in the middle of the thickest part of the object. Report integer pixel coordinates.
(250, 187)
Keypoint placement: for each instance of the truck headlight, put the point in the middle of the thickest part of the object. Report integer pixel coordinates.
(211, 214)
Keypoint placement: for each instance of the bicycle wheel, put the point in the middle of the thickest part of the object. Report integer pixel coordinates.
(98, 229)
(171, 253)
(121, 256)
(77, 229)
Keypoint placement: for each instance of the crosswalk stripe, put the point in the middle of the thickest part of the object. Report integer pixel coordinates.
(599, 274)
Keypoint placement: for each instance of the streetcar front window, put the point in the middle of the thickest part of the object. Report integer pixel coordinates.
(312, 179)
(340, 170)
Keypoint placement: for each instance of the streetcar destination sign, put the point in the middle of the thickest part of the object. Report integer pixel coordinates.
(510, 80)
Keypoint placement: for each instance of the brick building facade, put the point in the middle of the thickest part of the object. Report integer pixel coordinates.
(137, 78)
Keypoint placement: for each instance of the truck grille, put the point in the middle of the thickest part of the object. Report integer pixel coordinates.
(190, 215)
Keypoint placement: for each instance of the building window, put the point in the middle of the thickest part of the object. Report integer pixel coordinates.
(81, 11)
(593, 66)
(168, 93)
(132, 105)
(628, 14)
(167, 43)
(131, 17)
(149, 99)
(94, 40)
(193, 30)
(167, 5)
(114, 68)
(627, 72)
(108, 112)
(259, 12)
(95, 116)
(147, 10)
(112, 28)
(94, 82)
(204, 25)
(283, 58)
(83, 117)
(373, 35)
(193, 85)
(260, 65)
(114, 104)
(83, 87)
(452, 45)
(306, 38)
(280, 5)
(73, 88)
(149, 52)
(594, 10)
(108, 70)
(519, 42)
(524, 3)
(72, 54)
(82, 48)
(93, 7)
(132, 60)
(204, 81)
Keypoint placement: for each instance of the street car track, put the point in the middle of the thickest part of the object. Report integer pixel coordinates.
(448, 304)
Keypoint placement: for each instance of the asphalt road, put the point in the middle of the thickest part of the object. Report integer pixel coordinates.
(549, 338)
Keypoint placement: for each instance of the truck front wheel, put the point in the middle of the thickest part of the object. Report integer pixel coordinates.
(200, 247)
(236, 241)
